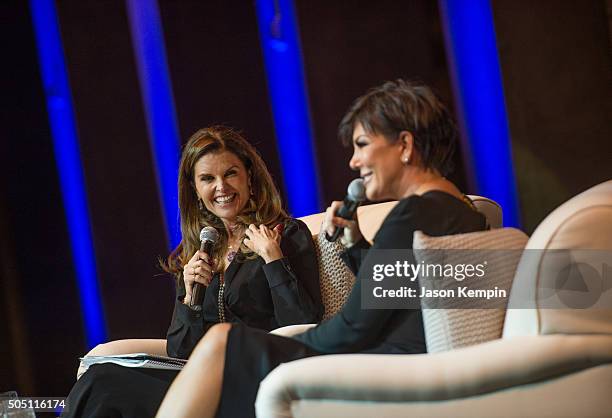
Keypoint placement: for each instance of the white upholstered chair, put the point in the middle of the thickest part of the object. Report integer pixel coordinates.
(549, 362)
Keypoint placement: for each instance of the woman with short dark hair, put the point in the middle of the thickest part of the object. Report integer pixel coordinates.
(403, 138)
(398, 106)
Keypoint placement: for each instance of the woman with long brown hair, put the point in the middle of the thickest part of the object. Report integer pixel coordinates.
(262, 273)
(225, 184)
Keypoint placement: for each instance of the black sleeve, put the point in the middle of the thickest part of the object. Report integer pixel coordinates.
(354, 329)
(353, 256)
(294, 279)
(187, 326)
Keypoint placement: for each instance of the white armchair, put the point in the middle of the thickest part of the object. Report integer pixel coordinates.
(549, 362)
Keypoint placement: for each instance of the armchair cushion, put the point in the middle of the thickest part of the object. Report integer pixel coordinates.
(460, 324)
(462, 373)
(291, 330)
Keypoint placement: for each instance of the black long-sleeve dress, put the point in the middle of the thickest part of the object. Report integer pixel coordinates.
(256, 294)
(251, 354)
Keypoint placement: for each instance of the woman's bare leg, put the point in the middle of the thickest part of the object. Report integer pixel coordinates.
(196, 391)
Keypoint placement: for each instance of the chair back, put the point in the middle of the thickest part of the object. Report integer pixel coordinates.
(563, 284)
(372, 216)
(490, 209)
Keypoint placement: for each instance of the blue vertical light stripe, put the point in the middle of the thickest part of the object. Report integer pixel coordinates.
(148, 42)
(471, 46)
(284, 69)
(66, 147)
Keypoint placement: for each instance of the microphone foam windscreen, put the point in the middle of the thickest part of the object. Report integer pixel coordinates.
(208, 233)
(356, 190)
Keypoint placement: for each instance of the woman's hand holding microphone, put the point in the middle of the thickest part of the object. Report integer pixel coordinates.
(344, 215)
(351, 233)
(197, 270)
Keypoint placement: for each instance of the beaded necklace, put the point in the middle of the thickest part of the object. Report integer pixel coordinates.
(220, 300)
(231, 254)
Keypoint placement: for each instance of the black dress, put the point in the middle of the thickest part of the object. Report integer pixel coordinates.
(252, 354)
(264, 296)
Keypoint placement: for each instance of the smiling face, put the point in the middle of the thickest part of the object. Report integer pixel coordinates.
(379, 164)
(222, 182)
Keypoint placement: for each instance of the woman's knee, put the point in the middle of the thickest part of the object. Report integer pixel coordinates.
(213, 343)
(98, 350)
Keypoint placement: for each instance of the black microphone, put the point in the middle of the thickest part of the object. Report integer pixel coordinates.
(208, 238)
(354, 197)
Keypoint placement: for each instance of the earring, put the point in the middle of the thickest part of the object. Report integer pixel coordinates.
(250, 188)
(405, 160)
(200, 205)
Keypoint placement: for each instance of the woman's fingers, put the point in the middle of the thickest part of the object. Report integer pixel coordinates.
(249, 244)
(203, 274)
(351, 233)
(265, 231)
(188, 292)
(188, 281)
(343, 223)
(254, 232)
(204, 257)
(328, 225)
(202, 269)
(197, 270)
(277, 232)
(272, 234)
(261, 239)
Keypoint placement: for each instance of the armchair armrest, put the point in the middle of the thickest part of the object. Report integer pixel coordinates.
(449, 375)
(291, 330)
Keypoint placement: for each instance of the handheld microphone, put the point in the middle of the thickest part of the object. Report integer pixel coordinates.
(208, 238)
(354, 197)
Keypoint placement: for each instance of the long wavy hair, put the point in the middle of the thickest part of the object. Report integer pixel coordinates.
(263, 207)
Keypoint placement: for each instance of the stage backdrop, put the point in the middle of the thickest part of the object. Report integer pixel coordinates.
(555, 61)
